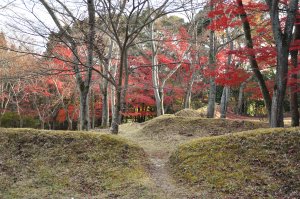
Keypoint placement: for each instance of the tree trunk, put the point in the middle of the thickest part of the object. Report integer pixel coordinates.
(117, 109)
(212, 84)
(252, 60)
(162, 106)
(155, 72)
(113, 101)
(188, 93)
(113, 93)
(21, 121)
(104, 86)
(240, 106)
(70, 124)
(124, 90)
(105, 111)
(279, 88)
(224, 101)
(283, 38)
(294, 78)
(156, 88)
(294, 103)
(211, 98)
(53, 125)
(241, 99)
(226, 90)
(68, 118)
(42, 124)
(84, 110)
(93, 109)
(19, 114)
(114, 129)
(49, 125)
(84, 85)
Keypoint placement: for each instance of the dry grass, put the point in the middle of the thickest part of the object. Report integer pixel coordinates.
(174, 130)
(57, 164)
(255, 164)
(165, 133)
(60, 164)
(190, 113)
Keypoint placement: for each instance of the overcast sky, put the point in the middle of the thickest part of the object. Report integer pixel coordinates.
(27, 20)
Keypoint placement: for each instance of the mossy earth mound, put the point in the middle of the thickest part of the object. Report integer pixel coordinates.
(262, 163)
(59, 164)
(189, 113)
(170, 126)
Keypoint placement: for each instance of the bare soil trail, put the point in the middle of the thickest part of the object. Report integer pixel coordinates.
(158, 149)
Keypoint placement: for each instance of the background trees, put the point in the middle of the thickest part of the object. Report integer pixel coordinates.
(146, 60)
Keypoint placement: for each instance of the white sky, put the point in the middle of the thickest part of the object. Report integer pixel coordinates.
(28, 20)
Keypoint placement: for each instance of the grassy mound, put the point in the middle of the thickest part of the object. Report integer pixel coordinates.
(264, 163)
(43, 164)
(169, 125)
(189, 113)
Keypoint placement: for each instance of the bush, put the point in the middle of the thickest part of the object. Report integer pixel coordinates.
(30, 122)
(12, 120)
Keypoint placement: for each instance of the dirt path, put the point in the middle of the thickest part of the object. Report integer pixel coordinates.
(158, 154)
(160, 174)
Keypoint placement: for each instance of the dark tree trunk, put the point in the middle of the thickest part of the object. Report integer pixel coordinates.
(93, 112)
(252, 60)
(105, 113)
(124, 90)
(115, 120)
(282, 41)
(84, 110)
(294, 77)
(85, 85)
(117, 112)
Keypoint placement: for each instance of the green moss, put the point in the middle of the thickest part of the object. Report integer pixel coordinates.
(39, 164)
(259, 163)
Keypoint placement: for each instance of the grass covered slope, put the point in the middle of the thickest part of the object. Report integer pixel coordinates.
(189, 113)
(170, 125)
(42, 164)
(261, 163)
